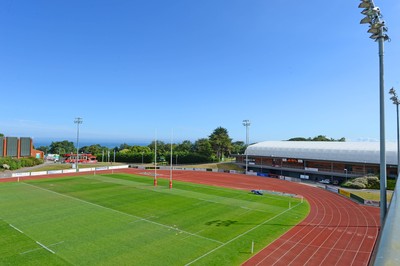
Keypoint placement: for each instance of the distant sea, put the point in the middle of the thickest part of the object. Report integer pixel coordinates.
(104, 143)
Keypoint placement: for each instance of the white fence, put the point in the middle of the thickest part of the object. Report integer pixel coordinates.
(66, 171)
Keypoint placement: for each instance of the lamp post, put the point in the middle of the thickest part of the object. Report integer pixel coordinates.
(246, 123)
(345, 170)
(377, 28)
(77, 121)
(396, 101)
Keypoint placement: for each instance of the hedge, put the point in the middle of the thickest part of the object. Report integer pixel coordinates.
(19, 163)
(183, 158)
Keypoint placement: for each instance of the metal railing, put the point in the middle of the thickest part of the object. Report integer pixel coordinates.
(388, 247)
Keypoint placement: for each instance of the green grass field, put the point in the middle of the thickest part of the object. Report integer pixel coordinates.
(122, 219)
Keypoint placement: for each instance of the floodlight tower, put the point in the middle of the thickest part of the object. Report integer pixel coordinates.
(77, 121)
(396, 101)
(378, 29)
(246, 123)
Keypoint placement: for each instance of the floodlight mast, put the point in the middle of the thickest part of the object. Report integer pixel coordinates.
(246, 123)
(395, 100)
(77, 121)
(377, 28)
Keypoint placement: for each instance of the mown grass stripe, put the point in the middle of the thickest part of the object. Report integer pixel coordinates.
(242, 234)
(109, 220)
(124, 213)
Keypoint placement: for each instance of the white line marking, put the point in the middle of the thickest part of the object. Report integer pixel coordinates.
(247, 208)
(210, 201)
(43, 246)
(242, 234)
(120, 212)
(16, 228)
(22, 253)
(55, 244)
(32, 250)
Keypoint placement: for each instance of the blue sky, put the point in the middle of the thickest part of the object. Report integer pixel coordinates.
(136, 69)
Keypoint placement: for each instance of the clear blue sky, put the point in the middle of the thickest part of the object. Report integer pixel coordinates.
(132, 68)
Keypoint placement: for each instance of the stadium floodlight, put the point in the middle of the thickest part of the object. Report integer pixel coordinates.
(77, 121)
(366, 20)
(365, 4)
(373, 30)
(396, 101)
(246, 123)
(373, 17)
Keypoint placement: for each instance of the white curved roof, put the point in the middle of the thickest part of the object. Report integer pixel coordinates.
(362, 152)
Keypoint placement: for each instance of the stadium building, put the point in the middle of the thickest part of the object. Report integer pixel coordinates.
(18, 147)
(327, 161)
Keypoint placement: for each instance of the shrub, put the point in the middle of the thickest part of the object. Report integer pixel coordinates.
(391, 183)
(18, 163)
(370, 182)
(373, 182)
(354, 184)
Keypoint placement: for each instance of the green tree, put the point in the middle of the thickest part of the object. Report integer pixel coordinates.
(140, 149)
(92, 149)
(220, 142)
(203, 147)
(185, 147)
(317, 138)
(299, 139)
(44, 149)
(238, 147)
(162, 148)
(321, 138)
(122, 147)
(62, 147)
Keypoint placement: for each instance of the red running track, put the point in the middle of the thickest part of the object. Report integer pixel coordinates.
(337, 231)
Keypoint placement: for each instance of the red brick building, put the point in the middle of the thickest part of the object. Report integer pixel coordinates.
(18, 147)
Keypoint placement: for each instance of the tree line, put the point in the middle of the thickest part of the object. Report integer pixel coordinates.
(214, 148)
(317, 138)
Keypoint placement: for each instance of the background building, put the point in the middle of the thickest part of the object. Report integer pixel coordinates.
(18, 147)
(318, 160)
